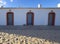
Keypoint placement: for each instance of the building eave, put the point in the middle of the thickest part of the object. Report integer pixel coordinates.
(26, 8)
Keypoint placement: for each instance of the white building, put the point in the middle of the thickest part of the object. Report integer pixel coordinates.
(30, 16)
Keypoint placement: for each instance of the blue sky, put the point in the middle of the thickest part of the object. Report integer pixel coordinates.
(30, 3)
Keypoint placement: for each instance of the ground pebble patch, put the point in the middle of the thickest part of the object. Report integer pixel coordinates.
(6, 38)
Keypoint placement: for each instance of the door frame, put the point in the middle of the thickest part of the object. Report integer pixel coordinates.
(32, 17)
(53, 18)
(7, 17)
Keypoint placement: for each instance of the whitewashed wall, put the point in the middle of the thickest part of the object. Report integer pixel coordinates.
(40, 16)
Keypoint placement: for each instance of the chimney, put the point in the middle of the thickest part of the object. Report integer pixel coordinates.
(58, 5)
(39, 5)
(1, 6)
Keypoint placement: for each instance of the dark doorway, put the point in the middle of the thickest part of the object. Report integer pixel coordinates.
(10, 18)
(30, 18)
(51, 18)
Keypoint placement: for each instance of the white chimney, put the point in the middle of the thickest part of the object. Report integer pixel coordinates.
(1, 6)
(39, 5)
(58, 5)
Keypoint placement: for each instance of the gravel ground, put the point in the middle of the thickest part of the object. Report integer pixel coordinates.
(50, 33)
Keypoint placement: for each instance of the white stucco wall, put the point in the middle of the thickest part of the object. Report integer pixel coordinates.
(40, 16)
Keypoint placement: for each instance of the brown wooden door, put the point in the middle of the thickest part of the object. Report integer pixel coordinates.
(10, 19)
(30, 18)
(51, 19)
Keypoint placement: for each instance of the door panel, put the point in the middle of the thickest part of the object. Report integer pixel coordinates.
(10, 19)
(50, 19)
(29, 19)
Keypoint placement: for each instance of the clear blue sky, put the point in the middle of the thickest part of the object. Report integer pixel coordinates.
(31, 3)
